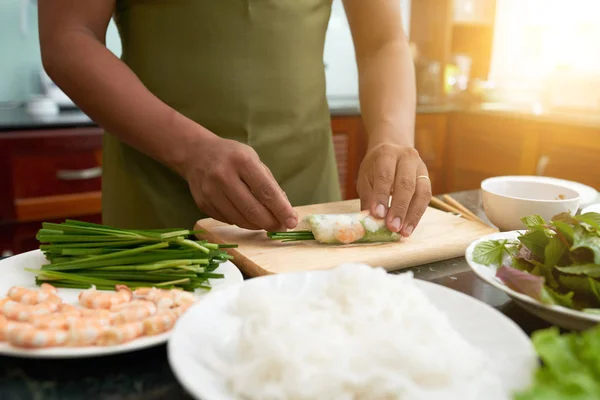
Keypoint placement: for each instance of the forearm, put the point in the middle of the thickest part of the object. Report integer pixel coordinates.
(388, 94)
(112, 95)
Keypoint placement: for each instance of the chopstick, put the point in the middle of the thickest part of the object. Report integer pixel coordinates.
(451, 205)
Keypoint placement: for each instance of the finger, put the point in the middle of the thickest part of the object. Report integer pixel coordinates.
(418, 204)
(227, 208)
(211, 212)
(404, 188)
(251, 209)
(364, 190)
(269, 193)
(384, 173)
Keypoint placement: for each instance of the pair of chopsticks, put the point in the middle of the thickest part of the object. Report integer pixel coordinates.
(451, 205)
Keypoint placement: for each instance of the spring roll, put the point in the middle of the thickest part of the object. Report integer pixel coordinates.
(358, 227)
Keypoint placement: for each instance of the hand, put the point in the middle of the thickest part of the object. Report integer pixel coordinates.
(390, 169)
(232, 185)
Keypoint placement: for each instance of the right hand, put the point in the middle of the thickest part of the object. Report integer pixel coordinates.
(232, 185)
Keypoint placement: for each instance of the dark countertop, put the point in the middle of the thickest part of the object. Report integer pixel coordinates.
(18, 119)
(146, 375)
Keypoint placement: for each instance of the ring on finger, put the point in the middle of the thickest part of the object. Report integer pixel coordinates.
(423, 177)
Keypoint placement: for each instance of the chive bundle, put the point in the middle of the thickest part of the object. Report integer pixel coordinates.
(291, 236)
(82, 254)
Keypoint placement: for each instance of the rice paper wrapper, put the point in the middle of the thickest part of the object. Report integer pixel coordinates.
(354, 229)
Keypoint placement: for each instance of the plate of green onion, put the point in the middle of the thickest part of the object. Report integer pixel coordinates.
(76, 256)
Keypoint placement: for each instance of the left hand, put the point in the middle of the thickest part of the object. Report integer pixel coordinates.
(390, 169)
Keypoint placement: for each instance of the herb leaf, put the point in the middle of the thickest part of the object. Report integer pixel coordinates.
(565, 229)
(533, 221)
(554, 251)
(591, 270)
(551, 297)
(592, 219)
(583, 239)
(522, 282)
(536, 241)
(490, 252)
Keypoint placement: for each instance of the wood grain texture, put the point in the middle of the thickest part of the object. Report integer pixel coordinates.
(439, 236)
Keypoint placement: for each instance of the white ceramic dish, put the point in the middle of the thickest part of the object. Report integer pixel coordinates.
(587, 194)
(13, 274)
(591, 208)
(204, 326)
(506, 200)
(557, 315)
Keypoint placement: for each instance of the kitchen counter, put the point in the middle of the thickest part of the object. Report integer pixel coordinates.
(145, 375)
(14, 119)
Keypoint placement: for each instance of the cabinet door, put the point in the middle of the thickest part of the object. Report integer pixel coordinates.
(349, 150)
(430, 141)
(482, 146)
(570, 152)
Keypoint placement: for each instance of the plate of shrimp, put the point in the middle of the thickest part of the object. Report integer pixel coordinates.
(48, 322)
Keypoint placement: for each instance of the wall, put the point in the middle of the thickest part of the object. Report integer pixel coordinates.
(20, 60)
(341, 72)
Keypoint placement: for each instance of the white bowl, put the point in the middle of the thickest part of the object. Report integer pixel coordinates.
(506, 200)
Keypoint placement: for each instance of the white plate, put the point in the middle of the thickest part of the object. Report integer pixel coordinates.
(12, 273)
(588, 194)
(481, 325)
(557, 315)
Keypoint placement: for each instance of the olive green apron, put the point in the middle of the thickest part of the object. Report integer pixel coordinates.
(248, 70)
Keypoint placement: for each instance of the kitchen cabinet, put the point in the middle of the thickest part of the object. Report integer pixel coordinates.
(349, 142)
(482, 146)
(48, 175)
(569, 152)
(430, 142)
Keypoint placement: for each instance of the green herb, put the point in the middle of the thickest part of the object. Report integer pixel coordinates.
(565, 252)
(82, 254)
(571, 366)
(291, 236)
(490, 252)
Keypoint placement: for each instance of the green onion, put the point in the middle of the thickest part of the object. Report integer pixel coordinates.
(291, 236)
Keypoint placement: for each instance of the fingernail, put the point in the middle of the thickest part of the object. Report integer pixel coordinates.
(380, 211)
(291, 222)
(408, 230)
(396, 224)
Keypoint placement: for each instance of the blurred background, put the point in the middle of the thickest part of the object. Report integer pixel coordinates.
(505, 87)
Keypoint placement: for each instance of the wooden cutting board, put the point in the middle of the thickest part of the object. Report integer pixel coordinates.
(439, 236)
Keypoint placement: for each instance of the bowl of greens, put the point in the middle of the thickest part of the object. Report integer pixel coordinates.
(551, 268)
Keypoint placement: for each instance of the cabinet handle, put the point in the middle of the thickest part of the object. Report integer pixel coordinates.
(79, 174)
(541, 165)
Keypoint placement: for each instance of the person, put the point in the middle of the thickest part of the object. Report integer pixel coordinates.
(219, 108)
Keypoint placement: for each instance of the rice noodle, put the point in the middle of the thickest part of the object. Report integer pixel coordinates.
(364, 334)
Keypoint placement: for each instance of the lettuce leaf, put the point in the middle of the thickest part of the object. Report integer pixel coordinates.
(571, 366)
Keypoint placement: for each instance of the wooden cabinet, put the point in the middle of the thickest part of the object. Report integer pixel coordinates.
(430, 141)
(482, 146)
(569, 152)
(48, 175)
(474, 11)
(349, 143)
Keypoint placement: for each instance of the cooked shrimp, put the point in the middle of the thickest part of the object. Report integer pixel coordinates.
(100, 313)
(86, 331)
(349, 234)
(133, 311)
(46, 293)
(28, 336)
(165, 299)
(93, 298)
(119, 334)
(22, 312)
(57, 320)
(160, 323)
(7, 325)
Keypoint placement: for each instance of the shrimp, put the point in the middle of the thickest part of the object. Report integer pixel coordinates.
(133, 311)
(120, 334)
(349, 234)
(28, 336)
(100, 313)
(57, 320)
(93, 298)
(160, 323)
(7, 325)
(86, 331)
(46, 293)
(166, 299)
(21, 312)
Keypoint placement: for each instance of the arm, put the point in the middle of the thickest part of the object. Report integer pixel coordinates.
(388, 105)
(72, 34)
